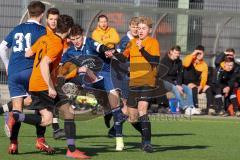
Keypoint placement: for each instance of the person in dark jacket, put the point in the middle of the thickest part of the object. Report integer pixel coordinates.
(173, 78)
(223, 82)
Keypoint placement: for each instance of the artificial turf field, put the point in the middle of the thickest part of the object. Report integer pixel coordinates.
(201, 138)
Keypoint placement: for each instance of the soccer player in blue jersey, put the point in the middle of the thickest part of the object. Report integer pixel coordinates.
(87, 46)
(51, 23)
(19, 68)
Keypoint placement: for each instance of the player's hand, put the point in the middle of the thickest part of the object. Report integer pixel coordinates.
(200, 89)
(29, 53)
(104, 37)
(226, 90)
(109, 53)
(82, 69)
(52, 92)
(180, 89)
(139, 44)
(196, 52)
(191, 85)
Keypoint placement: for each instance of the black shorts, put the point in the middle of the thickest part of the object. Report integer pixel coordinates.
(41, 100)
(141, 93)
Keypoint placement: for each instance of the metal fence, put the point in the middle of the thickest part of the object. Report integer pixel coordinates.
(212, 23)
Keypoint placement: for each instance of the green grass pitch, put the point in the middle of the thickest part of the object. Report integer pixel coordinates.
(200, 138)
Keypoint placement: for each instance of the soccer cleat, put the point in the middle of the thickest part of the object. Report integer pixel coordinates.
(9, 125)
(77, 154)
(59, 134)
(119, 144)
(42, 145)
(147, 148)
(13, 147)
(107, 119)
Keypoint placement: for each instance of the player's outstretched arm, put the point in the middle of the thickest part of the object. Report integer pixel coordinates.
(3, 54)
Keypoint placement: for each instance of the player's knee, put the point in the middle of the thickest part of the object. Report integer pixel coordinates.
(27, 101)
(47, 119)
(67, 111)
(132, 118)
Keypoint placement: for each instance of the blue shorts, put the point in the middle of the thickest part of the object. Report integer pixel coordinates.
(107, 81)
(18, 83)
(121, 81)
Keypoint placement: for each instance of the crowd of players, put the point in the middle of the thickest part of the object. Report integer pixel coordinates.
(125, 74)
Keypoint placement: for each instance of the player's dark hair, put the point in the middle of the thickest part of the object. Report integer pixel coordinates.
(53, 11)
(200, 47)
(76, 30)
(36, 8)
(177, 48)
(230, 50)
(64, 23)
(102, 16)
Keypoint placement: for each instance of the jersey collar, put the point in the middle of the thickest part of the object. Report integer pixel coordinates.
(33, 21)
(129, 35)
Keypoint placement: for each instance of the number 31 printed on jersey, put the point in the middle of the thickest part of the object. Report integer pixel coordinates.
(20, 37)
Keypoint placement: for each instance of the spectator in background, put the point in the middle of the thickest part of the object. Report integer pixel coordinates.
(195, 75)
(230, 53)
(223, 84)
(104, 34)
(173, 78)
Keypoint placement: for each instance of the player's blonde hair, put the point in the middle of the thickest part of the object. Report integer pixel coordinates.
(134, 21)
(146, 20)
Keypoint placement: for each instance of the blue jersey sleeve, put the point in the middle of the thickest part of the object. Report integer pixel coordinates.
(9, 39)
(65, 57)
(94, 45)
(123, 44)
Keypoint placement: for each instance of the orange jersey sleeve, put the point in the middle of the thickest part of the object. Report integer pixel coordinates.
(204, 75)
(187, 61)
(152, 47)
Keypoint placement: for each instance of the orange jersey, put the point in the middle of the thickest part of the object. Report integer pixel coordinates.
(142, 73)
(49, 45)
(49, 32)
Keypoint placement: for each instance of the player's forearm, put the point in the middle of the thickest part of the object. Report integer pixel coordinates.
(3, 54)
(150, 58)
(187, 61)
(45, 71)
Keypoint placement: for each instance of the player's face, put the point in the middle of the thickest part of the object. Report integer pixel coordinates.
(103, 23)
(52, 21)
(200, 55)
(230, 54)
(143, 31)
(133, 30)
(174, 54)
(77, 40)
(228, 66)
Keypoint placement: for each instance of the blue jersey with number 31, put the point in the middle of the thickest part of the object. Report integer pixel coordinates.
(21, 38)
